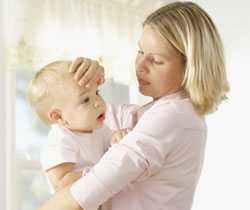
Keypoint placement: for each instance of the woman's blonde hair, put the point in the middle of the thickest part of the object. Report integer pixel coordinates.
(192, 32)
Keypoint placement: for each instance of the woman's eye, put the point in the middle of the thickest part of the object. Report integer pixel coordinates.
(98, 92)
(140, 52)
(157, 62)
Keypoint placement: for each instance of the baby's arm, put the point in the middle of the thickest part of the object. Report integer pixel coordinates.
(61, 175)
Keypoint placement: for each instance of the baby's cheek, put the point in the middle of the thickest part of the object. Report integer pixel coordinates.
(87, 118)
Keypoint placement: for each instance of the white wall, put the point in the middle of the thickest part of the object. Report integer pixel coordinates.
(225, 180)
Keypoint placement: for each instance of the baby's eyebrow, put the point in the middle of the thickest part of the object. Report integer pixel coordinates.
(83, 92)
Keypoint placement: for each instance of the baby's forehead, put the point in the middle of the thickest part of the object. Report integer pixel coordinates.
(71, 83)
(68, 81)
(62, 83)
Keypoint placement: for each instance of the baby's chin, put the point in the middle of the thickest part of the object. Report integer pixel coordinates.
(99, 125)
(88, 129)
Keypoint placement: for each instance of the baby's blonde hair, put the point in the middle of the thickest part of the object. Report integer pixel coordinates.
(42, 91)
(192, 32)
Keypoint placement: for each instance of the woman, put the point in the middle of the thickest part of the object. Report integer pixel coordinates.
(180, 64)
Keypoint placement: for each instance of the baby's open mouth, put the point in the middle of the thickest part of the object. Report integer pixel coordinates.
(101, 117)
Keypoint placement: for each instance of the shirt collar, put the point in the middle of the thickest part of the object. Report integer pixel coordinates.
(181, 94)
(138, 112)
(73, 133)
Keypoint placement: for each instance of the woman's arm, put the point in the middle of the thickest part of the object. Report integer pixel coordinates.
(61, 176)
(139, 155)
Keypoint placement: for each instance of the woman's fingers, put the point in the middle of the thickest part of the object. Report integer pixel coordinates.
(75, 64)
(82, 70)
(98, 78)
(94, 77)
(89, 74)
(93, 81)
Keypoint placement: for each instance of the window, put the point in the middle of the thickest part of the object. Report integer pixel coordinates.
(88, 28)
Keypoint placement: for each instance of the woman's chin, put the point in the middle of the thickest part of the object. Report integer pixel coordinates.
(145, 92)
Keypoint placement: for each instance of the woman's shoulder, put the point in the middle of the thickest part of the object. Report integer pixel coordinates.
(180, 111)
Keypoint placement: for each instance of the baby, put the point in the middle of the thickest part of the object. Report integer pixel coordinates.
(77, 138)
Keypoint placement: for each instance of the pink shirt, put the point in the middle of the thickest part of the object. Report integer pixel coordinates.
(156, 166)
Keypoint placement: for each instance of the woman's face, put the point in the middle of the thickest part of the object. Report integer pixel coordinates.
(159, 66)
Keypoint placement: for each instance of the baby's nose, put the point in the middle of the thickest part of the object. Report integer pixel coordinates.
(97, 102)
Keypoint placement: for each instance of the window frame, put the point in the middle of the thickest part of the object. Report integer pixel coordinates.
(7, 127)
(7, 135)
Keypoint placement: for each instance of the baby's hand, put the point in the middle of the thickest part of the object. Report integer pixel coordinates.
(119, 134)
(85, 170)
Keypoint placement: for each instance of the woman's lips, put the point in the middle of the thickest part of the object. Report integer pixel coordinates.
(143, 82)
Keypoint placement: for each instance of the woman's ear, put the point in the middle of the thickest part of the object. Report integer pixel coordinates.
(55, 115)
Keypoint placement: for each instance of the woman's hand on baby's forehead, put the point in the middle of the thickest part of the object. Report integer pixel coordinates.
(87, 72)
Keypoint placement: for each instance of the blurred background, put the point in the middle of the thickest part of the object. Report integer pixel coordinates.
(38, 32)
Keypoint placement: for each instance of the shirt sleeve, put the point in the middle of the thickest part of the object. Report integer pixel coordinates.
(60, 149)
(118, 117)
(139, 155)
(106, 135)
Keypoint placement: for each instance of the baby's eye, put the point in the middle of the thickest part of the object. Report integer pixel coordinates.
(98, 92)
(86, 100)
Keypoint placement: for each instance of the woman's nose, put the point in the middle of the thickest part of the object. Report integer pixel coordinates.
(142, 64)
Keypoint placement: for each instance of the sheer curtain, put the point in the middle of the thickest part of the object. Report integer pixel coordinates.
(61, 29)
(38, 32)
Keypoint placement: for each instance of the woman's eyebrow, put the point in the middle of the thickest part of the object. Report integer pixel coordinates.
(139, 45)
(158, 54)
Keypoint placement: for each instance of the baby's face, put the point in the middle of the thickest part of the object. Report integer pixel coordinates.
(83, 109)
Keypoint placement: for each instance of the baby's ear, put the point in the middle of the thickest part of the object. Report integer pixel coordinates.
(55, 115)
